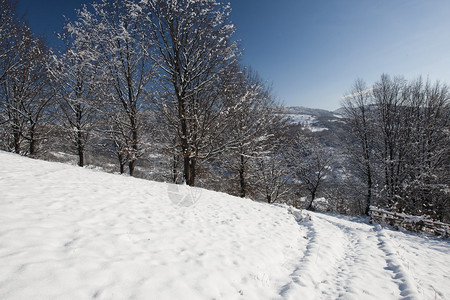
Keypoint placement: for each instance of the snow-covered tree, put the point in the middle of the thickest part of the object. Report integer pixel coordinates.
(404, 143)
(25, 92)
(360, 115)
(311, 163)
(9, 29)
(10, 45)
(75, 81)
(251, 131)
(119, 44)
(193, 50)
(427, 175)
(271, 177)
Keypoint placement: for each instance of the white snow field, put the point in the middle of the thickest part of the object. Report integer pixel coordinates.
(74, 233)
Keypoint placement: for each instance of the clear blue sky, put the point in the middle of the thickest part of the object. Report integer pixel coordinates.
(312, 51)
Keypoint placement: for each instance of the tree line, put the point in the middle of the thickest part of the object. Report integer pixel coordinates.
(137, 78)
(159, 86)
(399, 137)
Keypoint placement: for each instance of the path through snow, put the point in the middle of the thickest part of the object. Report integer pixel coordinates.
(348, 258)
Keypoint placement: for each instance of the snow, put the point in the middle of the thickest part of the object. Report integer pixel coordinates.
(77, 233)
(317, 129)
(307, 121)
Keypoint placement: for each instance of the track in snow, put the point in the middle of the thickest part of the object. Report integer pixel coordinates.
(351, 259)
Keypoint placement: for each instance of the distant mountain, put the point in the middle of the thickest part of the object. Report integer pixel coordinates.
(316, 112)
(327, 126)
(340, 111)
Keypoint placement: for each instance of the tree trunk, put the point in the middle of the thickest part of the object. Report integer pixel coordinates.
(79, 137)
(131, 166)
(369, 192)
(309, 205)
(242, 182)
(32, 147)
(132, 163)
(174, 168)
(80, 149)
(189, 170)
(121, 163)
(368, 168)
(16, 138)
(80, 156)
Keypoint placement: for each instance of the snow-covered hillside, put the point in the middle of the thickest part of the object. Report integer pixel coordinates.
(306, 121)
(73, 233)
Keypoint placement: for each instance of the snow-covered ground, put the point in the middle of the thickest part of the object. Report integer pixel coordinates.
(73, 233)
(308, 121)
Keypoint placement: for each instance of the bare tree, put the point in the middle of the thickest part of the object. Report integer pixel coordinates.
(393, 133)
(10, 28)
(425, 188)
(310, 162)
(75, 81)
(404, 143)
(359, 111)
(11, 34)
(193, 50)
(272, 177)
(252, 125)
(25, 92)
(119, 43)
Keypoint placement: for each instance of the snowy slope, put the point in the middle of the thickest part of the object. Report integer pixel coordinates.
(307, 121)
(73, 233)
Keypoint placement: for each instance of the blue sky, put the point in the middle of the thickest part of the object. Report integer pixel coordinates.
(312, 51)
